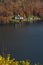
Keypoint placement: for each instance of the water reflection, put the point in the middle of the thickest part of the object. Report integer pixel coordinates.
(23, 43)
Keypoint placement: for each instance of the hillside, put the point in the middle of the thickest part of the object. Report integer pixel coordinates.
(23, 7)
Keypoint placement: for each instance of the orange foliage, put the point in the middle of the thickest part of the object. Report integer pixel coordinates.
(8, 8)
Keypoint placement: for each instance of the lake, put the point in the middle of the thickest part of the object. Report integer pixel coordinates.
(22, 42)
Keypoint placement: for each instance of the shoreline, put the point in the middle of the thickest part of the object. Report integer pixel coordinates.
(22, 23)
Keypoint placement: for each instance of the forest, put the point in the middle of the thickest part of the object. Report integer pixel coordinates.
(9, 8)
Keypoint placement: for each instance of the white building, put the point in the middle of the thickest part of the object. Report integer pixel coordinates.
(18, 17)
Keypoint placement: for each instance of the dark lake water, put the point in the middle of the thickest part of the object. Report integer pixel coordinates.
(22, 43)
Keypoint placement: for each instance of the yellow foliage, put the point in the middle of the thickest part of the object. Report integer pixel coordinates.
(8, 61)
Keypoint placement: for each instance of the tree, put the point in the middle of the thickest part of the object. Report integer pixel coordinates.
(2, 1)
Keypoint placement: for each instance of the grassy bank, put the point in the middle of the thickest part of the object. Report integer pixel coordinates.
(13, 20)
(29, 19)
(8, 61)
